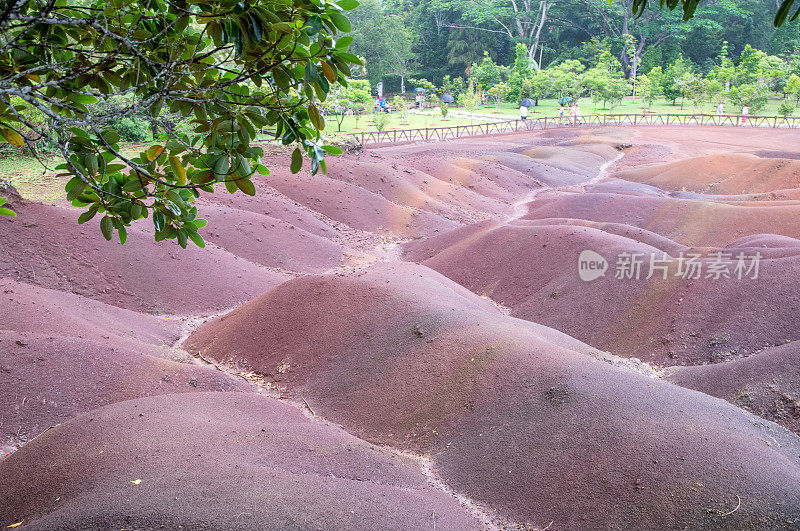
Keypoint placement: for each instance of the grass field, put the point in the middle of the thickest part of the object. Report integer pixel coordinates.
(414, 120)
(550, 108)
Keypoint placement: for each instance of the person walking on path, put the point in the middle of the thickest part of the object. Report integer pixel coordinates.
(523, 112)
(577, 114)
(720, 112)
(572, 114)
(745, 114)
(561, 114)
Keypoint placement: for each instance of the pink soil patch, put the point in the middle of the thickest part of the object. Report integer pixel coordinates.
(215, 461)
(532, 268)
(766, 384)
(517, 416)
(46, 380)
(45, 246)
(269, 241)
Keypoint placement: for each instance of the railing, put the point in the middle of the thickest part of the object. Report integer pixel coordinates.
(435, 134)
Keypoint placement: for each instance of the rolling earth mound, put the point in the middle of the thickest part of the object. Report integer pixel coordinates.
(517, 416)
(46, 380)
(215, 461)
(46, 247)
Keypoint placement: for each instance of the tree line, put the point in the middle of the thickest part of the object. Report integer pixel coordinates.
(435, 38)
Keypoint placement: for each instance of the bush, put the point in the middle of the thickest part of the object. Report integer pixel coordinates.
(380, 120)
(785, 109)
(444, 109)
(132, 129)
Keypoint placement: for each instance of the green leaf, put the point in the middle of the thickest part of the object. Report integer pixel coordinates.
(107, 227)
(123, 234)
(297, 160)
(348, 5)
(13, 138)
(7, 212)
(783, 12)
(344, 42)
(196, 238)
(333, 150)
(316, 118)
(181, 235)
(89, 214)
(246, 186)
(341, 22)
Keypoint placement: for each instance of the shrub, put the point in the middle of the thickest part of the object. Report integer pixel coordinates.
(785, 109)
(380, 120)
(444, 109)
(132, 129)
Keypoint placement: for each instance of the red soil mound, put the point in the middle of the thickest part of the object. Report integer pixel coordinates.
(416, 189)
(269, 241)
(686, 221)
(215, 461)
(357, 207)
(532, 268)
(28, 308)
(728, 173)
(45, 246)
(525, 419)
(766, 383)
(46, 380)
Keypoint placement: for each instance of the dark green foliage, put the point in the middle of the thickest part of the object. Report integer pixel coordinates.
(204, 76)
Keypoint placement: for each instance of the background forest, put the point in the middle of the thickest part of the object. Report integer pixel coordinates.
(729, 51)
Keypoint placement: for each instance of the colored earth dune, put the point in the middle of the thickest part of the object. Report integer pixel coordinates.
(410, 342)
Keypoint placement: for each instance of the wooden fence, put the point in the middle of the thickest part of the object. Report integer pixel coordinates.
(435, 134)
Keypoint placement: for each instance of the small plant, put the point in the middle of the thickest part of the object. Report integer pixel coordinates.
(785, 109)
(399, 103)
(380, 120)
(444, 109)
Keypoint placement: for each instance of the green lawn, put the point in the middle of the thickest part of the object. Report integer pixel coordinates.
(550, 108)
(430, 118)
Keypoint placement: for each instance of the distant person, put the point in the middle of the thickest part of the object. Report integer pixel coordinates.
(572, 113)
(523, 112)
(561, 114)
(377, 104)
(418, 100)
(745, 114)
(577, 113)
(720, 109)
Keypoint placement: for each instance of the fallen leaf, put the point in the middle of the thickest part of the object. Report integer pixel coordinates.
(136, 481)
(12, 526)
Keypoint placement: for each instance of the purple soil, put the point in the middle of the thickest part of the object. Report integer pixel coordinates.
(531, 267)
(358, 207)
(269, 241)
(689, 222)
(28, 308)
(729, 173)
(46, 380)
(766, 384)
(215, 461)
(45, 246)
(526, 420)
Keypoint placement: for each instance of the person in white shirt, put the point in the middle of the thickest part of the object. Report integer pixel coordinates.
(523, 112)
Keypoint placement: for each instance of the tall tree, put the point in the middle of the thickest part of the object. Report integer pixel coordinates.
(382, 38)
(520, 20)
